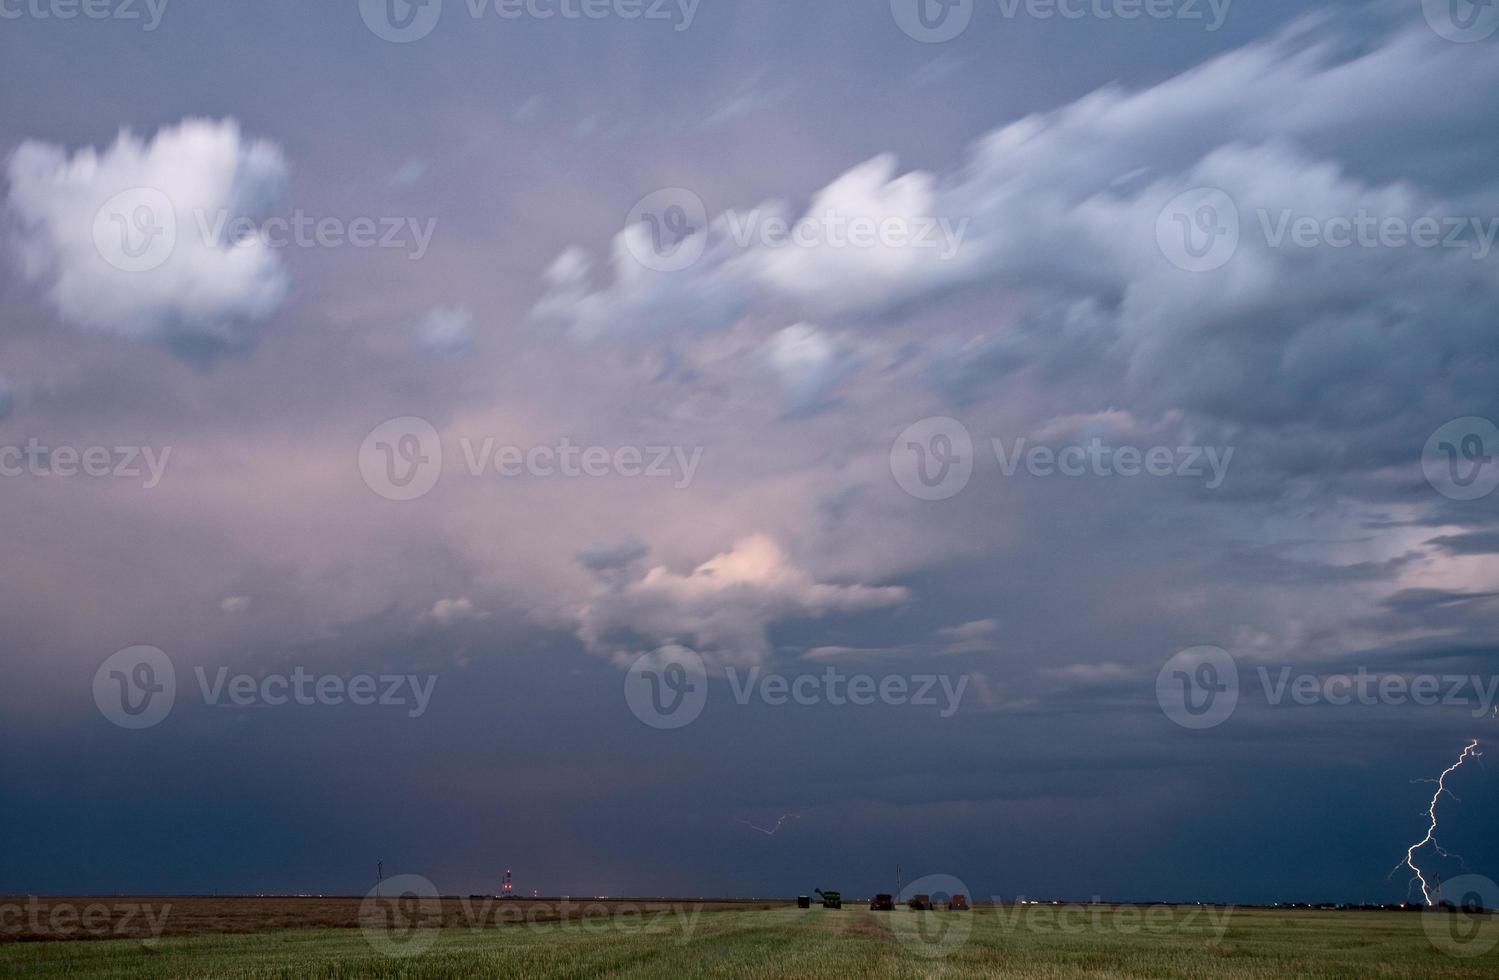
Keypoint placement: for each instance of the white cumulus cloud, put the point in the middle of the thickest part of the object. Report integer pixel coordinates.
(130, 240)
(722, 608)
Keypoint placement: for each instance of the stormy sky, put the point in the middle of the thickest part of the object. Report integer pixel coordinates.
(532, 361)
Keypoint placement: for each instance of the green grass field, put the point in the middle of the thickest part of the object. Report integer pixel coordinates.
(1034, 943)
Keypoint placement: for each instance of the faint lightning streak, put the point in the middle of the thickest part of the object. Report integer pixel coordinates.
(1431, 832)
(772, 831)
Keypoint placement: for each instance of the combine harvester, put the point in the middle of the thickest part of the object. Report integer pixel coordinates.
(830, 900)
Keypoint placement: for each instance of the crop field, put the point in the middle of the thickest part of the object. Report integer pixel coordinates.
(744, 940)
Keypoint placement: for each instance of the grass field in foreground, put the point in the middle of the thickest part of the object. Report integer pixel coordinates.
(1034, 943)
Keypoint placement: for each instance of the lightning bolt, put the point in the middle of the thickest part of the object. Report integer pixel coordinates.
(772, 831)
(1471, 752)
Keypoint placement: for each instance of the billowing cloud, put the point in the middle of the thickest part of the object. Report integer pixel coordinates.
(722, 608)
(1063, 226)
(869, 241)
(133, 241)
